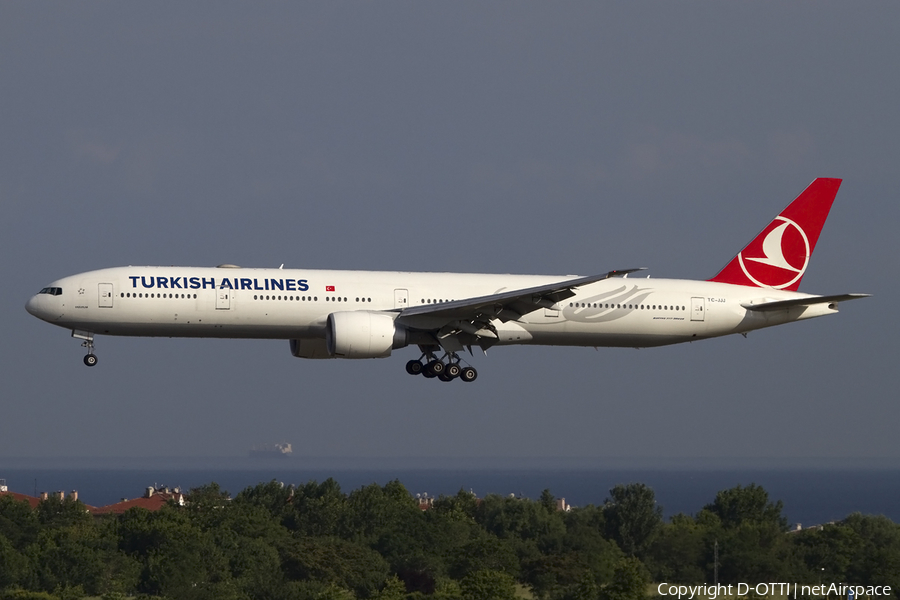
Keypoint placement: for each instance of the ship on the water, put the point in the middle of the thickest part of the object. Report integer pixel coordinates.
(280, 450)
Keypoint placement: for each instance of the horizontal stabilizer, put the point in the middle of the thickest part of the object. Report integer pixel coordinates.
(808, 301)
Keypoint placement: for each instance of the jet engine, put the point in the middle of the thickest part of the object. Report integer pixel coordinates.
(310, 348)
(363, 334)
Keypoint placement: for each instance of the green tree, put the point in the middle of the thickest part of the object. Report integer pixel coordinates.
(632, 517)
(23, 594)
(15, 566)
(485, 552)
(878, 558)
(334, 561)
(373, 511)
(178, 557)
(393, 590)
(18, 522)
(830, 551)
(550, 575)
(317, 509)
(680, 551)
(584, 535)
(530, 526)
(70, 557)
(629, 582)
(487, 584)
(463, 506)
(747, 504)
(273, 497)
(547, 500)
(751, 534)
(54, 512)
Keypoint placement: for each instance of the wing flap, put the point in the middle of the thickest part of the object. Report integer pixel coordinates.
(807, 301)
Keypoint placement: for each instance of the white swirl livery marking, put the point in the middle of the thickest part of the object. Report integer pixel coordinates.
(774, 255)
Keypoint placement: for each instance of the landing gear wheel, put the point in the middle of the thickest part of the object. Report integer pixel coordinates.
(90, 360)
(445, 377)
(453, 370)
(468, 374)
(435, 367)
(414, 367)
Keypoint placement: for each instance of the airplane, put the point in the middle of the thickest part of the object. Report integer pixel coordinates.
(368, 314)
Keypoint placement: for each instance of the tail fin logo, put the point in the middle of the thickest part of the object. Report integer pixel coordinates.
(780, 260)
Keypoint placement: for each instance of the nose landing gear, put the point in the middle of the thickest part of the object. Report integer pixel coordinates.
(447, 368)
(88, 342)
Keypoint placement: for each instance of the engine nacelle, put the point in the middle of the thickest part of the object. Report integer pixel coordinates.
(363, 334)
(310, 348)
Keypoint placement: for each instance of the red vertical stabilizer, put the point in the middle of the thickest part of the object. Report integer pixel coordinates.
(777, 258)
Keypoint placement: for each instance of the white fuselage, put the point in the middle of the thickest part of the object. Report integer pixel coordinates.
(295, 304)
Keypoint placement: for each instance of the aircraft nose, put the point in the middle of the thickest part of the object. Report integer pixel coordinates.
(32, 306)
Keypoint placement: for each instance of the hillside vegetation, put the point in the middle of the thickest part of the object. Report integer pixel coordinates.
(314, 541)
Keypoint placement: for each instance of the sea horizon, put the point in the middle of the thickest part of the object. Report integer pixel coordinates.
(296, 461)
(813, 491)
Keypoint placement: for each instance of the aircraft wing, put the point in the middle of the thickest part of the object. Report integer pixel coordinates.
(808, 301)
(468, 321)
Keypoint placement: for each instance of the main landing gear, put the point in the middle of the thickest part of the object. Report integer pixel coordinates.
(445, 371)
(87, 342)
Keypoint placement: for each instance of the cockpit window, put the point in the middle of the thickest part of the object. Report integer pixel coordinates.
(53, 291)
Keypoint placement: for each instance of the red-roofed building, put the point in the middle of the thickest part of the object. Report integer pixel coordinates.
(31, 500)
(152, 500)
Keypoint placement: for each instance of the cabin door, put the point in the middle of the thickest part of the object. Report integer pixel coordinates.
(106, 295)
(223, 299)
(697, 309)
(401, 298)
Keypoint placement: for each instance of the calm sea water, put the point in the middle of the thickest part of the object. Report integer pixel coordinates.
(810, 496)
